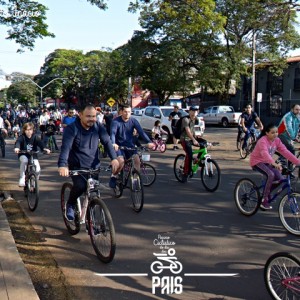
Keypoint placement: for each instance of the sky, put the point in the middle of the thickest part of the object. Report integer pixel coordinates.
(77, 25)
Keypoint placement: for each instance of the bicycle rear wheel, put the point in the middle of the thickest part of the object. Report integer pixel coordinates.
(247, 197)
(101, 230)
(210, 175)
(136, 191)
(289, 213)
(32, 191)
(281, 275)
(179, 166)
(72, 226)
(148, 174)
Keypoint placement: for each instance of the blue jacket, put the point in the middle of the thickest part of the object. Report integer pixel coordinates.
(121, 133)
(80, 146)
(289, 126)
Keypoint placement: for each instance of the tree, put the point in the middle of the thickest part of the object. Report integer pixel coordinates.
(23, 91)
(26, 20)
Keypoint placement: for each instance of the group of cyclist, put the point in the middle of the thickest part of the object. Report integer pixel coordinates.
(80, 147)
(273, 139)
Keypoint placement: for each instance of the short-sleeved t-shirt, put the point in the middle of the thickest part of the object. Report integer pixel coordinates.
(175, 117)
(249, 120)
(187, 122)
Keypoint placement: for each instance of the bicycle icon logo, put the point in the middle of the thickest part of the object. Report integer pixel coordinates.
(173, 265)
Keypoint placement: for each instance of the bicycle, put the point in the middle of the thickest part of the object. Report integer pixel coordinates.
(209, 169)
(2, 144)
(160, 144)
(131, 178)
(282, 276)
(248, 198)
(31, 188)
(92, 211)
(250, 145)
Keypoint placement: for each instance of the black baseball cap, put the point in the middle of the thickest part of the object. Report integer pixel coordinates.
(193, 108)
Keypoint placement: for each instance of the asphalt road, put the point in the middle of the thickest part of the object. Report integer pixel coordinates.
(212, 240)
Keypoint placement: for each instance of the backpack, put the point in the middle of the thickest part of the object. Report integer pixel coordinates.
(177, 130)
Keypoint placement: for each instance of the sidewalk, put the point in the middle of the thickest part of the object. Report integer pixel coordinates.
(15, 283)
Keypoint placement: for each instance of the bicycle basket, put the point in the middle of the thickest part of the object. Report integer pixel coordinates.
(146, 157)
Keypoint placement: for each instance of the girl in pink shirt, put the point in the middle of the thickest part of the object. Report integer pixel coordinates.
(261, 159)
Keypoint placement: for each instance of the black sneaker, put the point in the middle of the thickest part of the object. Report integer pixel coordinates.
(184, 178)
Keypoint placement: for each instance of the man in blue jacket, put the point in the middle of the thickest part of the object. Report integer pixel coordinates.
(79, 150)
(122, 134)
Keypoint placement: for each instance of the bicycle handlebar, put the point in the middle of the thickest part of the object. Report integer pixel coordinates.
(142, 148)
(28, 152)
(83, 171)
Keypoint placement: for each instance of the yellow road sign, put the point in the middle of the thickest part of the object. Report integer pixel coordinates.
(111, 101)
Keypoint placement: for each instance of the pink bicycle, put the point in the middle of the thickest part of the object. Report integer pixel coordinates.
(160, 144)
(282, 276)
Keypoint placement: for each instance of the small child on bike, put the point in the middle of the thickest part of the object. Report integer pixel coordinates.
(261, 159)
(28, 141)
(50, 131)
(157, 131)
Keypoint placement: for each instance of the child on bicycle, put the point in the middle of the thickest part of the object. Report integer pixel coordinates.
(157, 131)
(28, 141)
(261, 159)
(50, 131)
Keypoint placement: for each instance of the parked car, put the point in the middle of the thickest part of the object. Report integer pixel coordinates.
(222, 114)
(153, 113)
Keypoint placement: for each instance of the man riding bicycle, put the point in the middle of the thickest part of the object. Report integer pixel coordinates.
(79, 150)
(288, 128)
(248, 120)
(187, 138)
(122, 134)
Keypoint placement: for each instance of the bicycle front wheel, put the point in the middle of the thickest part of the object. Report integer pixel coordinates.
(281, 275)
(101, 230)
(210, 175)
(243, 152)
(32, 191)
(148, 174)
(289, 213)
(2, 146)
(72, 226)
(247, 197)
(179, 166)
(118, 190)
(136, 191)
(163, 147)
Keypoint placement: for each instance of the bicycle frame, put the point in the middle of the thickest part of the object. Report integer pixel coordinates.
(93, 186)
(285, 184)
(202, 157)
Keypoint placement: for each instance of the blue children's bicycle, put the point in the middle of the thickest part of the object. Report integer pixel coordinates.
(248, 198)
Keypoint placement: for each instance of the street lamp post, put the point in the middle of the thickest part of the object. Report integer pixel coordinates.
(40, 87)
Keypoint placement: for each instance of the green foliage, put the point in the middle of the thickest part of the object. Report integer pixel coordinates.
(23, 92)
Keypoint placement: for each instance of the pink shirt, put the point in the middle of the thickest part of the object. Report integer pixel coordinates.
(265, 149)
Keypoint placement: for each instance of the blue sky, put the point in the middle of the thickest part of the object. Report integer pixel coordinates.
(78, 25)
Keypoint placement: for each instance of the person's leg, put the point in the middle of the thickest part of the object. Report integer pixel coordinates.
(246, 137)
(55, 143)
(188, 159)
(23, 165)
(268, 171)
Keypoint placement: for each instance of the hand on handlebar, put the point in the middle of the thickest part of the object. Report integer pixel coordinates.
(17, 150)
(63, 171)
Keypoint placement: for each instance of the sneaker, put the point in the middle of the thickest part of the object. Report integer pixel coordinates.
(21, 182)
(113, 182)
(70, 212)
(265, 205)
(184, 178)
